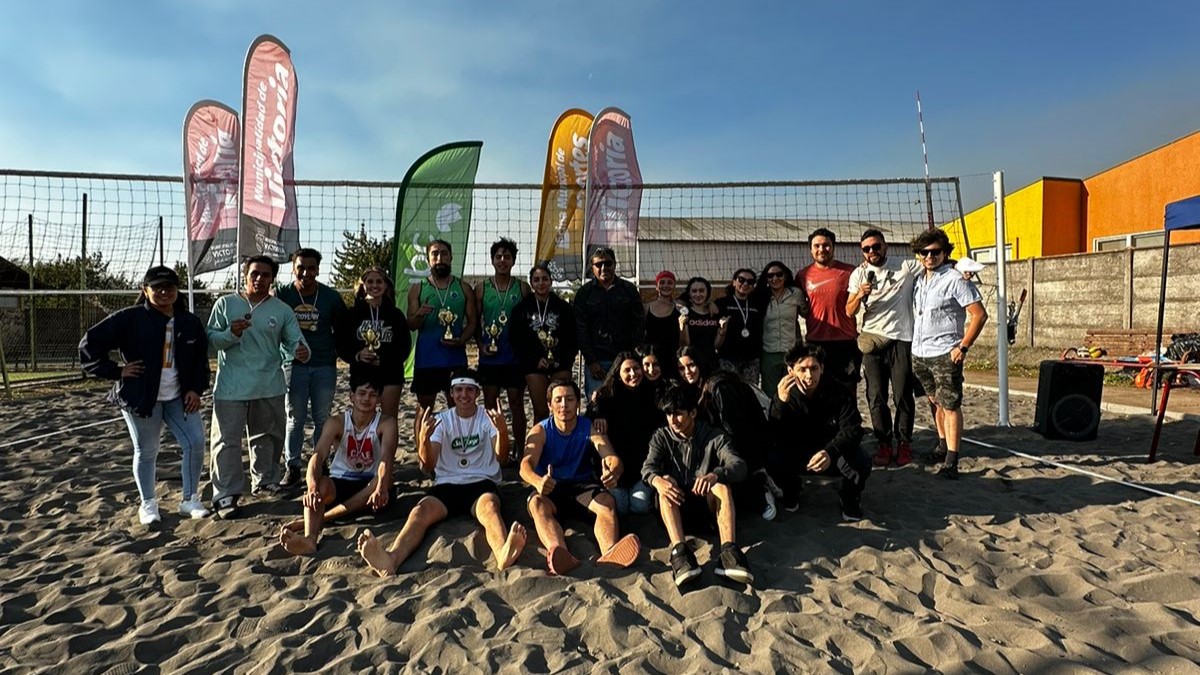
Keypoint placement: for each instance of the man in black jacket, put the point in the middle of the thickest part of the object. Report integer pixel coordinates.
(691, 466)
(609, 318)
(818, 430)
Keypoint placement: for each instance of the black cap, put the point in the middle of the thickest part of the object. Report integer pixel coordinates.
(156, 276)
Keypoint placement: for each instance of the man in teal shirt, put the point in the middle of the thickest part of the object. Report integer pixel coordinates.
(253, 333)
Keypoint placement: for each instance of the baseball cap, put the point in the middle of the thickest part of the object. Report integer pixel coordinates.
(159, 275)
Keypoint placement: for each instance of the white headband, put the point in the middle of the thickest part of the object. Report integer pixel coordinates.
(464, 380)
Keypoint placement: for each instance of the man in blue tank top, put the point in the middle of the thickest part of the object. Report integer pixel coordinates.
(440, 310)
(558, 465)
(362, 445)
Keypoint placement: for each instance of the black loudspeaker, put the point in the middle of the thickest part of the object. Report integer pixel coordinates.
(1068, 400)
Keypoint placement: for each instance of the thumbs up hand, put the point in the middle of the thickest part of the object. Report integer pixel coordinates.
(548, 483)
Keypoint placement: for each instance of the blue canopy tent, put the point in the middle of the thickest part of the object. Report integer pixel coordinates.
(1181, 215)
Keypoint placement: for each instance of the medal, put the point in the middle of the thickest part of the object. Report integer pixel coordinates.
(463, 462)
(745, 332)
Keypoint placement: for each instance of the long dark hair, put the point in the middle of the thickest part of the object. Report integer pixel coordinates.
(389, 293)
(694, 354)
(612, 380)
(762, 290)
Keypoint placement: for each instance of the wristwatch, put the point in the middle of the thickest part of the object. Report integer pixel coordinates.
(963, 348)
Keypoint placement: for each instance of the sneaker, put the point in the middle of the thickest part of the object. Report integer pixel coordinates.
(770, 484)
(948, 471)
(935, 456)
(226, 508)
(884, 456)
(268, 489)
(733, 565)
(148, 512)
(851, 506)
(192, 508)
(291, 477)
(904, 454)
(770, 511)
(684, 568)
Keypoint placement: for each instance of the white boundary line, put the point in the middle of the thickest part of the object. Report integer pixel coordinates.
(1085, 472)
(60, 431)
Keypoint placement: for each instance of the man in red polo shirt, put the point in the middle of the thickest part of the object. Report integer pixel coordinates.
(827, 282)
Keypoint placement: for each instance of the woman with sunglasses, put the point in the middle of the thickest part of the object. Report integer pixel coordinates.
(700, 323)
(783, 306)
(741, 328)
(543, 337)
(374, 339)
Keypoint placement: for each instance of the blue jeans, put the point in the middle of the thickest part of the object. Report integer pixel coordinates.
(591, 384)
(309, 387)
(638, 499)
(146, 433)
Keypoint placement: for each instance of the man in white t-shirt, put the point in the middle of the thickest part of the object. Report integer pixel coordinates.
(463, 448)
(362, 444)
(881, 291)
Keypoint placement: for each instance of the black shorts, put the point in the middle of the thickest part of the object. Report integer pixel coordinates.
(572, 499)
(459, 500)
(384, 376)
(431, 380)
(505, 376)
(345, 488)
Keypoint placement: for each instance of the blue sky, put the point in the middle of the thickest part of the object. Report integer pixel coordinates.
(716, 90)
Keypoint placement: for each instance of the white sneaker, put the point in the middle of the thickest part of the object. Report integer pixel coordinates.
(148, 512)
(193, 508)
(770, 511)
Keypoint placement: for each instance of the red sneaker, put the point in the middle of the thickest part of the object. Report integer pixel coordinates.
(884, 456)
(904, 454)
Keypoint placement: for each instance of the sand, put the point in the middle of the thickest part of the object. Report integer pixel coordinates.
(1017, 567)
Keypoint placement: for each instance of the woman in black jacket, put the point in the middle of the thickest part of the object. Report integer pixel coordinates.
(626, 403)
(374, 338)
(543, 336)
(164, 349)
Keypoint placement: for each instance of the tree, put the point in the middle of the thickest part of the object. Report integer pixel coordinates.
(357, 252)
(64, 273)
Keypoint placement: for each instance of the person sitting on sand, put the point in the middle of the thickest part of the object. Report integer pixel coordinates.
(819, 431)
(691, 466)
(558, 464)
(363, 445)
(463, 449)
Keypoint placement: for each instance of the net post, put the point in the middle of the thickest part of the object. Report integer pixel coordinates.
(82, 261)
(32, 302)
(161, 246)
(1001, 301)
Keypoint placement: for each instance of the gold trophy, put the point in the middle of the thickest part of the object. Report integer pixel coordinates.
(371, 339)
(493, 331)
(447, 317)
(549, 342)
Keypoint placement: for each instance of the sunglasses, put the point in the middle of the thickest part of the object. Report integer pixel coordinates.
(744, 280)
(872, 248)
(603, 264)
(775, 275)
(926, 252)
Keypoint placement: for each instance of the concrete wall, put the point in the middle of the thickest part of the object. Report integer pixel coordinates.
(1067, 295)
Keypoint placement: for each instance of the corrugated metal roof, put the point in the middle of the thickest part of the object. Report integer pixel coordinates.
(761, 229)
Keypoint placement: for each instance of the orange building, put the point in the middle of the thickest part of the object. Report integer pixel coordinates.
(1117, 208)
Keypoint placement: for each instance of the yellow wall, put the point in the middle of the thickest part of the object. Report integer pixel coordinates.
(1041, 218)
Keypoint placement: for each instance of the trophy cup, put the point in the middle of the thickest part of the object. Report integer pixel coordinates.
(371, 339)
(493, 331)
(549, 342)
(446, 316)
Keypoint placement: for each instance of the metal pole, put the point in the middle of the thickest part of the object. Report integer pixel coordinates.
(1158, 334)
(962, 219)
(32, 308)
(82, 263)
(160, 241)
(1001, 301)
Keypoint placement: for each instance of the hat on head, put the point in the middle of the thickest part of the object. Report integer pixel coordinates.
(665, 274)
(159, 275)
(968, 266)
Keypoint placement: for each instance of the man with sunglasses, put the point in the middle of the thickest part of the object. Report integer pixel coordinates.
(882, 289)
(608, 317)
(943, 301)
(826, 282)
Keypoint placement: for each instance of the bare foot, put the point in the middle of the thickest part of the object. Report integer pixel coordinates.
(296, 525)
(296, 543)
(513, 545)
(373, 552)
